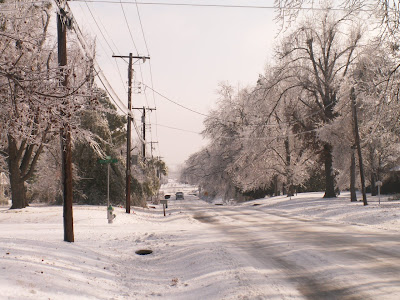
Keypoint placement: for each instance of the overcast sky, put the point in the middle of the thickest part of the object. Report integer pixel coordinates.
(192, 50)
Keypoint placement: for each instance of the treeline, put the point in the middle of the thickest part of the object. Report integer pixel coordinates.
(35, 107)
(295, 129)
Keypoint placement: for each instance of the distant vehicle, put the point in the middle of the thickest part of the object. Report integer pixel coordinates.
(179, 195)
(167, 196)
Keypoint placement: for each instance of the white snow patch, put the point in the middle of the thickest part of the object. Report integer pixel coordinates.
(189, 261)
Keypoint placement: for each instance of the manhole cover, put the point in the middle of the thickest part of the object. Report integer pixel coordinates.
(144, 252)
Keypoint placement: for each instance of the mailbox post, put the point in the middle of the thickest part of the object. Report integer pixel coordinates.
(164, 204)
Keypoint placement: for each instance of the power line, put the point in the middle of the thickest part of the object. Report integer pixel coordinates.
(141, 26)
(99, 73)
(267, 138)
(234, 122)
(103, 79)
(154, 100)
(140, 67)
(176, 103)
(129, 29)
(105, 83)
(213, 5)
(101, 32)
(151, 76)
(180, 129)
(101, 44)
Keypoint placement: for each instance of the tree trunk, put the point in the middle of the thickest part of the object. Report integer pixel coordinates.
(374, 188)
(353, 195)
(276, 189)
(358, 144)
(289, 173)
(329, 174)
(18, 194)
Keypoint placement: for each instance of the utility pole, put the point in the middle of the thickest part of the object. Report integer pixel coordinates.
(128, 136)
(144, 133)
(62, 20)
(151, 147)
(144, 128)
(357, 142)
(128, 139)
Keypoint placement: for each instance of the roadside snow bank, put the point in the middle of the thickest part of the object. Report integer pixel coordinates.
(189, 261)
(385, 215)
(186, 263)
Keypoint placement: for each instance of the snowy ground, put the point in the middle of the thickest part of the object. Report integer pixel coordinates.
(190, 259)
(383, 215)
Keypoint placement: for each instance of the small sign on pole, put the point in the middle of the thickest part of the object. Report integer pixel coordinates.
(109, 160)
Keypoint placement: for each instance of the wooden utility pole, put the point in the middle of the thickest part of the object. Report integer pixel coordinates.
(129, 125)
(357, 142)
(65, 133)
(144, 133)
(151, 148)
(144, 128)
(128, 139)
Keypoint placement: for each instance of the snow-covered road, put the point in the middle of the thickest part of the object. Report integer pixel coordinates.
(309, 258)
(302, 248)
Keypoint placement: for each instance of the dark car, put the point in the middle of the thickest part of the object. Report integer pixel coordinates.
(179, 195)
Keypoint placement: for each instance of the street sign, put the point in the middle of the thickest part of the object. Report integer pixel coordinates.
(109, 160)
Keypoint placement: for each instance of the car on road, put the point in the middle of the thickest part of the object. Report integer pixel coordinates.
(179, 196)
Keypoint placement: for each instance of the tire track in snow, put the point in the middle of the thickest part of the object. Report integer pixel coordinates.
(312, 284)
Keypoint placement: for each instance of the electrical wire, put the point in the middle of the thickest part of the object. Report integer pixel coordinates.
(227, 121)
(176, 103)
(154, 100)
(129, 29)
(151, 77)
(124, 109)
(103, 79)
(141, 26)
(101, 32)
(214, 5)
(101, 44)
(140, 68)
(180, 129)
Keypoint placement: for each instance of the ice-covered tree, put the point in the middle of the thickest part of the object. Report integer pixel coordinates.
(314, 60)
(377, 84)
(34, 106)
(271, 154)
